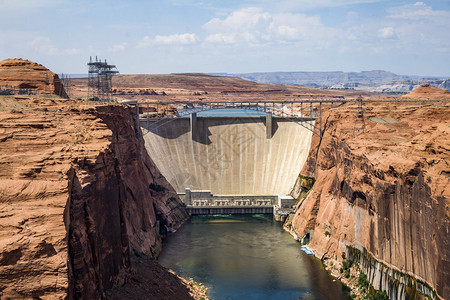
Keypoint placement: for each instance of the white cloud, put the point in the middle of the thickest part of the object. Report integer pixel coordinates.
(270, 5)
(419, 26)
(144, 42)
(386, 33)
(417, 11)
(220, 38)
(304, 5)
(118, 47)
(174, 39)
(243, 19)
(255, 26)
(44, 45)
(287, 32)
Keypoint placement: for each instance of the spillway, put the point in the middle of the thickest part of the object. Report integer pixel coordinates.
(229, 155)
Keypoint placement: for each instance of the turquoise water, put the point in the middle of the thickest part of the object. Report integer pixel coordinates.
(246, 257)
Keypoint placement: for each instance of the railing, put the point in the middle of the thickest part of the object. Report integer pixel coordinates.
(294, 108)
(12, 90)
(235, 201)
(300, 111)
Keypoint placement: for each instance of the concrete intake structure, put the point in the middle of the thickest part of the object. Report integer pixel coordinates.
(229, 155)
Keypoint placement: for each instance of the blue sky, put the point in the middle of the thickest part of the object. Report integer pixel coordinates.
(168, 36)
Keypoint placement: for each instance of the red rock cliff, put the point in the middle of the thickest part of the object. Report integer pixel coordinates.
(24, 74)
(80, 201)
(384, 192)
(113, 208)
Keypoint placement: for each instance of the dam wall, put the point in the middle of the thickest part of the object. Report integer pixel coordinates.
(229, 155)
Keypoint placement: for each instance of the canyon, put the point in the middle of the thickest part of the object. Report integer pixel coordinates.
(79, 217)
(84, 205)
(77, 204)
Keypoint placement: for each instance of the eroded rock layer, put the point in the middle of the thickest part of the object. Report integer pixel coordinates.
(384, 191)
(23, 74)
(78, 199)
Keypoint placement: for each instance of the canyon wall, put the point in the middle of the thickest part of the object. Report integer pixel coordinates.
(114, 206)
(384, 192)
(82, 203)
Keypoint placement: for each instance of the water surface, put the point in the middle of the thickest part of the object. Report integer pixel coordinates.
(246, 257)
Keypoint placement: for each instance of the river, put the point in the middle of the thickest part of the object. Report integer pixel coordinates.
(246, 257)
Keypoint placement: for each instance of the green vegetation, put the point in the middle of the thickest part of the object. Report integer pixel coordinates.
(327, 233)
(369, 292)
(346, 266)
(363, 283)
(377, 295)
(306, 184)
(396, 278)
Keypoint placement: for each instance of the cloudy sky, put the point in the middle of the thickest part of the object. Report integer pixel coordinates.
(234, 36)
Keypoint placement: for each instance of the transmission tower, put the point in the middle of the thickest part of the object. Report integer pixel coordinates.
(99, 80)
(360, 123)
(65, 89)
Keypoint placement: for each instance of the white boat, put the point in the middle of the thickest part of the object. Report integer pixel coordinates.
(306, 249)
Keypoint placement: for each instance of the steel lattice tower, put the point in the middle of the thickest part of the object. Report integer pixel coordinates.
(99, 80)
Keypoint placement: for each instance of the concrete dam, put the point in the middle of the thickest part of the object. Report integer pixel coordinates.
(233, 158)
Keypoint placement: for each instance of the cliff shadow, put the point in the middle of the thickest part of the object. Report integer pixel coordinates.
(149, 280)
(174, 128)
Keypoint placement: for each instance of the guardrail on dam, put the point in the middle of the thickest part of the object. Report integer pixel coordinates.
(230, 155)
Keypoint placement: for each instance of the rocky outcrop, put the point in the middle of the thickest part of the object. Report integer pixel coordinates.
(114, 206)
(428, 92)
(80, 200)
(384, 192)
(21, 74)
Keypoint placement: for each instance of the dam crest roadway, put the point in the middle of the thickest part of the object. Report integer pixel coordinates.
(220, 161)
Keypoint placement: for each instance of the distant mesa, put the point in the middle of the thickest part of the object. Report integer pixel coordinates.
(370, 81)
(427, 92)
(22, 74)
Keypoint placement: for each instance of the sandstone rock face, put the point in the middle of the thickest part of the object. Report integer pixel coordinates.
(24, 74)
(112, 209)
(76, 199)
(427, 92)
(385, 190)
